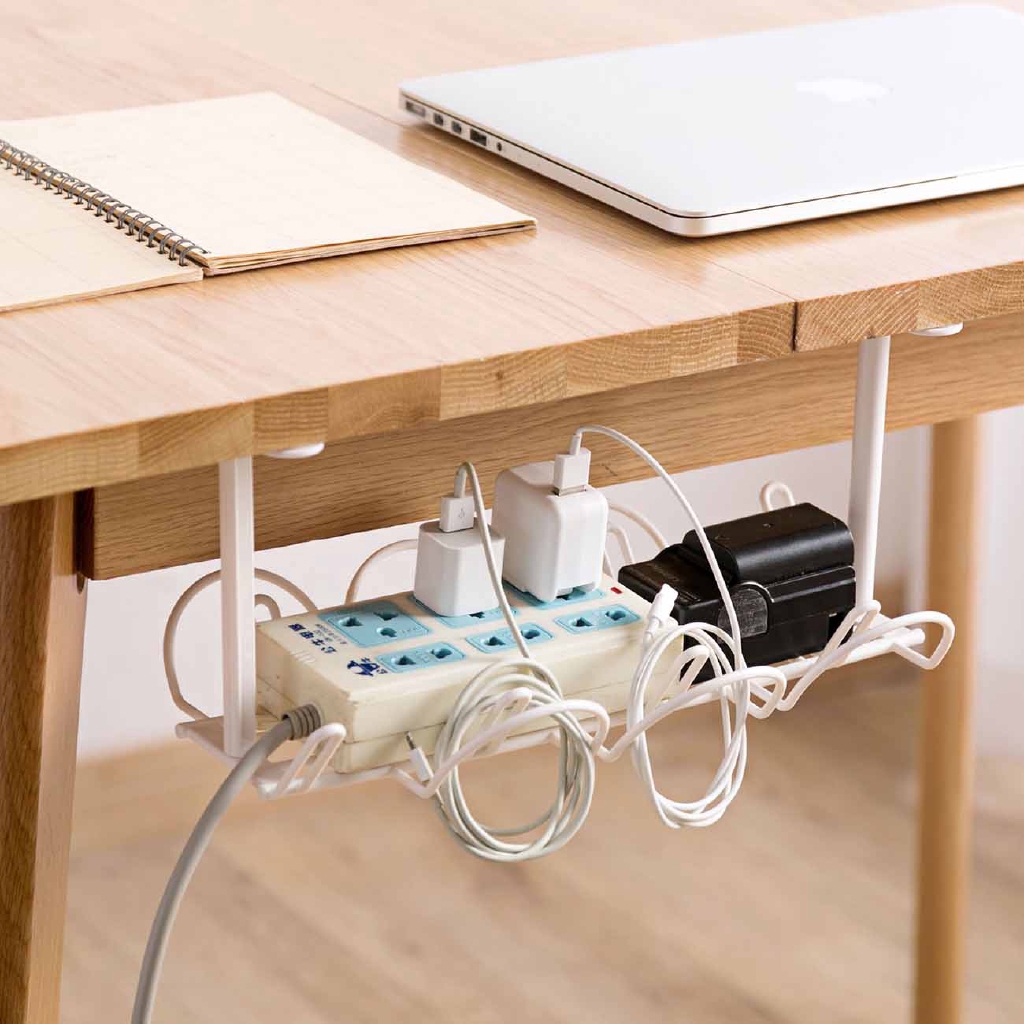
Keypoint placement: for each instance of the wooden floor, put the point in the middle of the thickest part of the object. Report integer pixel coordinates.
(357, 906)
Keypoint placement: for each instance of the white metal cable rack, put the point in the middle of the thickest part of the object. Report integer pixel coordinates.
(228, 736)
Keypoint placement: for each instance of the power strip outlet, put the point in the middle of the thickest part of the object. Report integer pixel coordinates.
(390, 666)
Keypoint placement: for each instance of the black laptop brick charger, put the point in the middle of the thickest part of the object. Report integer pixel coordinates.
(789, 571)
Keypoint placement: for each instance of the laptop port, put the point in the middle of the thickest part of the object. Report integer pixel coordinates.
(457, 127)
(439, 120)
(478, 137)
(416, 108)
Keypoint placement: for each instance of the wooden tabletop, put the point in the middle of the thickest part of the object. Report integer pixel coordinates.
(129, 386)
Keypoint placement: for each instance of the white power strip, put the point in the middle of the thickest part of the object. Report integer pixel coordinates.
(389, 666)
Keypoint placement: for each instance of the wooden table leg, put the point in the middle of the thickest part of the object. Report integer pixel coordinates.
(42, 623)
(946, 749)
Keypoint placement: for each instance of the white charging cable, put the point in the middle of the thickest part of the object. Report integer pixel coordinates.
(472, 713)
(712, 646)
(536, 692)
(536, 688)
(723, 652)
(616, 435)
(730, 686)
(755, 692)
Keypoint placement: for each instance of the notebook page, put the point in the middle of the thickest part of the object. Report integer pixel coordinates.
(51, 250)
(256, 175)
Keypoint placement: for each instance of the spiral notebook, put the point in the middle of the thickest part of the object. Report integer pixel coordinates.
(208, 187)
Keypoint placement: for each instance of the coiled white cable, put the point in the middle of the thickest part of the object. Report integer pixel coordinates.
(473, 713)
(575, 784)
(732, 683)
(710, 645)
(731, 686)
(574, 790)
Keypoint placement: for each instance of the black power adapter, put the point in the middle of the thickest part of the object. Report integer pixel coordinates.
(789, 572)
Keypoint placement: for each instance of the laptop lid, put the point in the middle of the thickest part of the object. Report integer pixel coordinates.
(718, 126)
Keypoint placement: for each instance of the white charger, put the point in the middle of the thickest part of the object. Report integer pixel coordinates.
(452, 577)
(554, 524)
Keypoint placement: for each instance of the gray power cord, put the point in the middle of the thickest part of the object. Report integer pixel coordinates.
(295, 724)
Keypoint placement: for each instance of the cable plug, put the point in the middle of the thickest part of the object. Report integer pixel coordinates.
(456, 513)
(660, 613)
(572, 471)
(418, 760)
(304, 720)
(554, 523)
(452, 576)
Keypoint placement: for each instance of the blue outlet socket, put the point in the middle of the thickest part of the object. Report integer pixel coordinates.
(500, 640)
(428, 656)
(593, 619)
(374, 624)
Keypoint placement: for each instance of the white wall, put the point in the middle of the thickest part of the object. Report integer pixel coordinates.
(124, 699)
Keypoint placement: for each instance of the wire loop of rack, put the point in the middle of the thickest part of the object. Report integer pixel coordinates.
(869, 634)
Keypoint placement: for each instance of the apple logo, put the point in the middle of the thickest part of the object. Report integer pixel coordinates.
(843, 90)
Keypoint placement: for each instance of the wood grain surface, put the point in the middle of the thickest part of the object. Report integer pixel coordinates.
(946, 727)
(125, 387)
(396, 474)
(851, 277)
(795, 909)
(473, 325)
(42, 608)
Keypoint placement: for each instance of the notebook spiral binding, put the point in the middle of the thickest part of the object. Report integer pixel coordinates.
(138, 224)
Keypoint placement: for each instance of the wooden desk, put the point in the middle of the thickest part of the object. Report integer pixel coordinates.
(113, 411)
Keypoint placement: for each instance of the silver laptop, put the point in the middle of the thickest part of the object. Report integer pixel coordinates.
(740, 132)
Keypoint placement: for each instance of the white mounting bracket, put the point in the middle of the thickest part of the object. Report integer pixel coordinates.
(237, 595)
(868, 446)
(866, 461)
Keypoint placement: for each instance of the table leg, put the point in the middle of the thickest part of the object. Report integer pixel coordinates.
(946, 754)
(42, 623)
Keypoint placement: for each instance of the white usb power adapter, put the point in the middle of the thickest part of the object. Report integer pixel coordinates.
(451, 567)
(554, 524)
